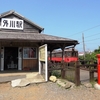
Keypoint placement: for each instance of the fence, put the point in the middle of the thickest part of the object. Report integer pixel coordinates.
(91, 66)
(71, 71)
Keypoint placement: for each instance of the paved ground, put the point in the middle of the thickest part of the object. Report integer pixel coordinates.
(8, 76)
(46, 91)
(84, 75)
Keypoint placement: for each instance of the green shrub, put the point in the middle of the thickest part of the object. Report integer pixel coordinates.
(56, 73)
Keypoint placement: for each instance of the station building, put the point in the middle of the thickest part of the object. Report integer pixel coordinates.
(22, 41)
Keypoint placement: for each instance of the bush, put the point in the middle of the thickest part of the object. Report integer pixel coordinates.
(56, 73)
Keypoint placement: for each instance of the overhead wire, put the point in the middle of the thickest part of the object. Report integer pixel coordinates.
(89, 35)
(90, 40)
(93, 39)
(86, 30)
(92, 35)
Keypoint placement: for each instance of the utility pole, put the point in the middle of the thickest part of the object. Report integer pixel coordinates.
(83, 44)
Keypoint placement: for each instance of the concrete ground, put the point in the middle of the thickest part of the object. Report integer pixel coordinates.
(10, 75)
(84, 75)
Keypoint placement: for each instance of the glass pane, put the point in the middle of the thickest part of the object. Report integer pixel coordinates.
(32, 53)
(29, 52)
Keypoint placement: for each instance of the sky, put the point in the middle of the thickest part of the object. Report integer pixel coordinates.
(63, 18)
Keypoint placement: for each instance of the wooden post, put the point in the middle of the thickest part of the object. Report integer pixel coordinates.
(63, 57)
(91, 75)
(50, 55)
(77, 74)
(63, 70)
(63, 53)
(49, 69)
(49, 74)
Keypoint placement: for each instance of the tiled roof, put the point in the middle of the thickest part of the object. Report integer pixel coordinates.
(33, 37)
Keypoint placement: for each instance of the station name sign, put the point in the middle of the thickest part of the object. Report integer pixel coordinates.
(12, 24)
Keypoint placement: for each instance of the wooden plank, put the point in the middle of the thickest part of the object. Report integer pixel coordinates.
(30, 63)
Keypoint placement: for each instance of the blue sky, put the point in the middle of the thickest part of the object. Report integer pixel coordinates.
(64, 18)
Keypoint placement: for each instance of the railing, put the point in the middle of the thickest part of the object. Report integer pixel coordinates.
(91, 67)
(71, 71)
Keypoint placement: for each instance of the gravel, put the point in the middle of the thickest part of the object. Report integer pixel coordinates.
(47, 91)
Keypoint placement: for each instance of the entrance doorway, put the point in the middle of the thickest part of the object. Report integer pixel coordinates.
(10, 58)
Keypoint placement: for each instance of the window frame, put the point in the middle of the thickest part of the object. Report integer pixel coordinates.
(27, 51)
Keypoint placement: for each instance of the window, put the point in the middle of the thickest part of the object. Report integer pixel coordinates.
(29, 52)
(68, 54)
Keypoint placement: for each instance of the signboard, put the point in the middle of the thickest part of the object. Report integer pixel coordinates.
(7, 23)
(43, 68)
(42, 53)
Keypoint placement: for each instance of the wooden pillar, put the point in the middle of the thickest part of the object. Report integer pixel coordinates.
(63, 57)
(63, 70)
(77, 74)
(50, 55)
(49, 64)
(63, 53)
(91, 73)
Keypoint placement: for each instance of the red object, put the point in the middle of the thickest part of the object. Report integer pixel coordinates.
(66, 59)
(69, 56)
(98, 66)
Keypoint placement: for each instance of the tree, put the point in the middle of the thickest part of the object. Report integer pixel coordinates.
(92, 55)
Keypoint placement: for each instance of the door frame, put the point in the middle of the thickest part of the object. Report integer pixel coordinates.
(20, 54)
(2, 58)
(43, 62)
(19, 58)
